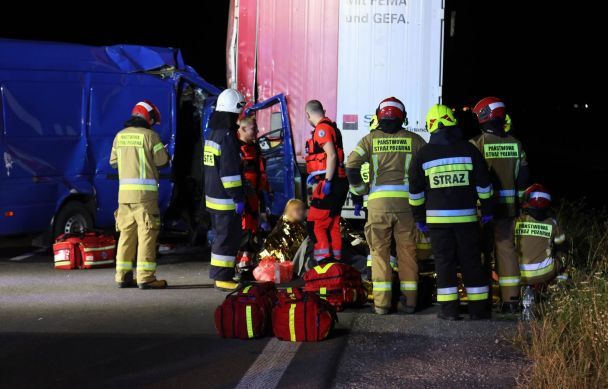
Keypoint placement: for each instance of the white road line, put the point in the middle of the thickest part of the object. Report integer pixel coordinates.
(27, 255)
(267, 370)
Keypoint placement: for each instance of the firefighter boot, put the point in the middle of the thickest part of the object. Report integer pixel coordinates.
(127, 281)
(156, 284)
(402, 307)
(226, 286)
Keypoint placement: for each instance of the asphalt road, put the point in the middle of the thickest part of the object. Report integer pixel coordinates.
(64, 329)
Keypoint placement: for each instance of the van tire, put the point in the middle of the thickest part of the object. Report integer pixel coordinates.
(73, 217)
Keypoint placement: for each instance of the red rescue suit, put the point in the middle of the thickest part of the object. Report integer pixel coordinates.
(256, 182)
(324, 214)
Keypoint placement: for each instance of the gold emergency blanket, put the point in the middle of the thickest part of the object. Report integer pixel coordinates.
(284, 240)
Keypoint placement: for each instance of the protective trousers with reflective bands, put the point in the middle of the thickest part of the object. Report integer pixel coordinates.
(380, 229)
(454, 246)
(228, 233)
(507, 263)
(139, 224)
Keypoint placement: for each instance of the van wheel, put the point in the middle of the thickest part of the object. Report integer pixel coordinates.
(72, 218)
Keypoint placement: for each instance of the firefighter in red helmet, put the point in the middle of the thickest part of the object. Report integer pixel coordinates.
(326, 175)
(388, 149)
(138, 153)
(508, 167)
(538, 238)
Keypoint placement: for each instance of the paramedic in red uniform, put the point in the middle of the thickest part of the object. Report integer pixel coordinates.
(327, 176)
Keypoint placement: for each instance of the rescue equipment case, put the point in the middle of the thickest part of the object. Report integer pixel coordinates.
(246, 312)
(302, 316)
(84, 251)
(338, 283)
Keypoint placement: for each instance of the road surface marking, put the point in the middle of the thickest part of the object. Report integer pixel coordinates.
(267, 370)
(27, 255)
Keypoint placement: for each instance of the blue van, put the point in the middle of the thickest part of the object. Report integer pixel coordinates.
(61, 106)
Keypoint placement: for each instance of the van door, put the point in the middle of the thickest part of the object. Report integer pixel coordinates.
(276, 143)
(111, 100)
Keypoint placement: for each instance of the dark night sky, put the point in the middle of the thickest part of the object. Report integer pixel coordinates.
(541, 59)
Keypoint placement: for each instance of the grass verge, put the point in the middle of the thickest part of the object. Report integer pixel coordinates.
(568, 341)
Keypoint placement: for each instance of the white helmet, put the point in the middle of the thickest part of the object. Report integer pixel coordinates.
(230, 100)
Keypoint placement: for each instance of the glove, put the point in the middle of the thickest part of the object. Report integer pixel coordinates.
(422, 227)
(240, 207)
(485, 219)
(327, 188)
(358, 208)
(264, 225)
(310, 180)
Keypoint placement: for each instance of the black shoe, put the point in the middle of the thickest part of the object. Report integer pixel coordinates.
(487, 315)
(127, 282)
(447, 317)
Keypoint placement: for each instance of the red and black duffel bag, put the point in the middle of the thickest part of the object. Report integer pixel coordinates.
(246, 313)
(302, 316)
(338, 283)
(86, 251)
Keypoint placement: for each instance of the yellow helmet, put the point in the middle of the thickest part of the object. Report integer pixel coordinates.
(439, 114)
(373, 123)
(507, 123)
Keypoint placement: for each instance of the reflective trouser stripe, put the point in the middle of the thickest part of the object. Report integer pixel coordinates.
(447, 294)
(249, 321)
(382, 286)
(292, 322)
(508, 281)
(143, 265)
(124, 265)
(219, 204)
(477, 293)
(147, 188)
(409, 285)
(222, 260)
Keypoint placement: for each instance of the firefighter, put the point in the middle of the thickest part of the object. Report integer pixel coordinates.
(447, 177)
(538, 238)
(138, 153)
(256, 191)
(388, 149)
(224, 194)
(326, 175)
(506, 160)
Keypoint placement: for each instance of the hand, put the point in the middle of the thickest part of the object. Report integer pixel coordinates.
(358, 208)
(327, 188)
(265, 226)
(240, 207)
(422, 227)
(485, 219)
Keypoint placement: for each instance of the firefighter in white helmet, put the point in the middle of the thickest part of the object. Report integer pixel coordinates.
(224, 194)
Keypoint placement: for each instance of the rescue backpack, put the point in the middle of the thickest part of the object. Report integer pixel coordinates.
(246, 312)
(88, 250)
(338, 283)
(302, 316)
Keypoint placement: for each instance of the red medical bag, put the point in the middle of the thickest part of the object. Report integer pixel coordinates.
(338, 283)
(302, 316)
(246, 313)
(84, 251)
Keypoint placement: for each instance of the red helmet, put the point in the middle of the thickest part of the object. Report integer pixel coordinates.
(536, 196)
(391, 109)
(489, 108)
(148, 111)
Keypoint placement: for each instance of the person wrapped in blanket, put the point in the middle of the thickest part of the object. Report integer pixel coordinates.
(289, 241)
